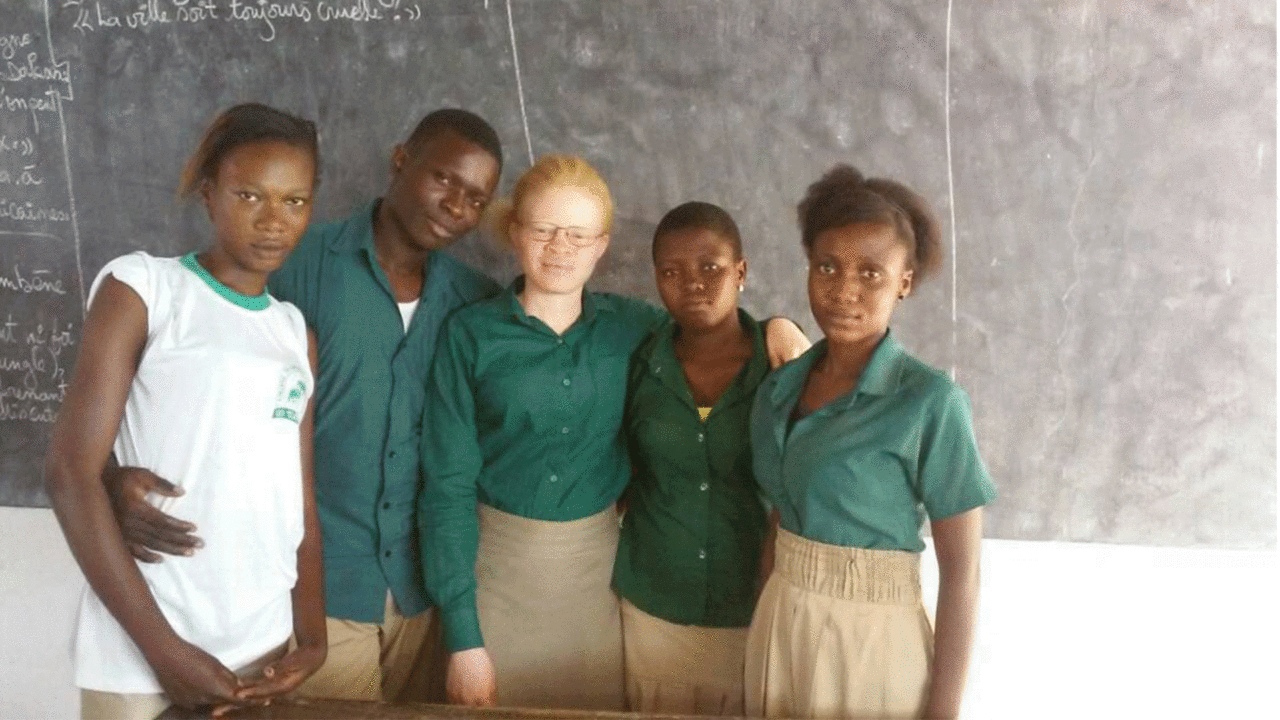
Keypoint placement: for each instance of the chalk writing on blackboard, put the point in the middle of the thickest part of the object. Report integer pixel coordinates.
(33, 379)
(263, 15)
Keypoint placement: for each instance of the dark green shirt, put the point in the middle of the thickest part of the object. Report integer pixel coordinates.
(525, 421)
(690, 546)
(368, 411)
(862, 470)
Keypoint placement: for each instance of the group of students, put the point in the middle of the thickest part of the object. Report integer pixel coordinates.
(609, 506)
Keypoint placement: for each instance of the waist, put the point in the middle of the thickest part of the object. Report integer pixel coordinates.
(849, 573)
(530, 537)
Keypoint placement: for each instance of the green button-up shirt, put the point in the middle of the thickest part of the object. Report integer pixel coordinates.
(690, 546)
(862, 470)
(525, 421)
(368, 411)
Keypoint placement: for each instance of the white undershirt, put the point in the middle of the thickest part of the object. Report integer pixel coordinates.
(406, 312)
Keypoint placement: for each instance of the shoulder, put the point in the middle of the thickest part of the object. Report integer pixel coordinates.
(629, 309)
(943, 399)
(141, 272)
(470, 283)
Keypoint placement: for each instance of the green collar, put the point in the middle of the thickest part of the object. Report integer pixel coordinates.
(661, 361)
(248, 302)
(512, 294)
(879, 377)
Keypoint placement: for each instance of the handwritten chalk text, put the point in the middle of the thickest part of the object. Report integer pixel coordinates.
(264, 15)
(30, 213)
(33, 380)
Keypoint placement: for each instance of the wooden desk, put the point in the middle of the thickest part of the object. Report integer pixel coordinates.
(355, 710)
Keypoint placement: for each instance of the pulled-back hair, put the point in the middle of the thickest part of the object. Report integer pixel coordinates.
(702, 216)
(470, 126)
(245, 124)
(551, 171)
(844, 197)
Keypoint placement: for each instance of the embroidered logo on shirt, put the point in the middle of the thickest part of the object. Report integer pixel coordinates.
(291, 397)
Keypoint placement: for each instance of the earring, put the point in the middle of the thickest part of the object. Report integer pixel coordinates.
(902, 296)
(741, 287)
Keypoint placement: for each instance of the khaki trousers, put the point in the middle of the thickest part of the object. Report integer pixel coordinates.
(397, 660)
(676, 669)
(839, 633)
(548, 614)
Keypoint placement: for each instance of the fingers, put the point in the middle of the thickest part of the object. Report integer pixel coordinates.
(145, 526)
(142, 554)
(281, 676)
(137, 482)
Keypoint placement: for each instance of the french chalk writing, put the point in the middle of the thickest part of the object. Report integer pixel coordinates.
(37, 281)
(33, 378)
(263, 15)
(11, 43)
(23, 177)
(29, 212)
(14, 72)
(18, 146)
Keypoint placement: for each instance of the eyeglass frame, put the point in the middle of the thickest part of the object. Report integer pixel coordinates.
(550, 231)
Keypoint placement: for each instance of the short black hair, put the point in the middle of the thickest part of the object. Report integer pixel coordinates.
(703, 216)
(245, 124)
(470, 126)
(844, 197)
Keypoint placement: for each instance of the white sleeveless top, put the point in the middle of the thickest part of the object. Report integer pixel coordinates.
(215, 408)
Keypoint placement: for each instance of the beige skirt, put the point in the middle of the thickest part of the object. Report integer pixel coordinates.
(550, 619)
(839, 633)
(681, 669)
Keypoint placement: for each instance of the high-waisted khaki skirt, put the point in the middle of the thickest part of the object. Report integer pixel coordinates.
(676, 669)
(549, 616)
(839, 633)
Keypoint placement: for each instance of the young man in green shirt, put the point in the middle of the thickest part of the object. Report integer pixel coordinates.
(375, 290)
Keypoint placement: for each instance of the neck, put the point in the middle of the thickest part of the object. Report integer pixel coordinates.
(848, 360)
(718, 339)
(395, 252)
(243, 282)
(557, 311)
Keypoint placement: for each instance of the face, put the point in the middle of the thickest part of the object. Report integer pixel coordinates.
(259, 204)
(438, 192)
(698, 277)
(558, 265)
(857, 274)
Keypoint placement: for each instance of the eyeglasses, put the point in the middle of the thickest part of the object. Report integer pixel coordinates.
(577, 236)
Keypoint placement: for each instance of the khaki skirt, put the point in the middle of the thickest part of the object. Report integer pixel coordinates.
(839, 633)
(681, 669)
(550, 619)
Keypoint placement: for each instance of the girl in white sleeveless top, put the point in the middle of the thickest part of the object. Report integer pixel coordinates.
(189, 369)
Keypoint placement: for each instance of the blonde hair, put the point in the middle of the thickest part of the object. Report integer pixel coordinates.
(550, 171)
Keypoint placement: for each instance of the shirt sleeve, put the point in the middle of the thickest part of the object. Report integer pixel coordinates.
(139, 271)
(952, 477)
(448, 528)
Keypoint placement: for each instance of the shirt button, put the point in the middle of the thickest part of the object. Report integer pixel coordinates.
(387, 554)
(387, 506)
(559, 341)
(700, 436)
(566, 382)
(702, 554)
(391, 454)
(554, 478)
(703, 487)
(564, 431)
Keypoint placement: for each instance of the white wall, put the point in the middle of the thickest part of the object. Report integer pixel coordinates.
(1067, 630)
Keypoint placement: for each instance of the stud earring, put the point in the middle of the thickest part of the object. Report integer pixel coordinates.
(740, 287)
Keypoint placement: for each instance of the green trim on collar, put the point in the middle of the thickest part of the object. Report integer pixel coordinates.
(248, 302)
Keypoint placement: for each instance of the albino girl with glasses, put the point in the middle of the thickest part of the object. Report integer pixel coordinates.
(523, 460)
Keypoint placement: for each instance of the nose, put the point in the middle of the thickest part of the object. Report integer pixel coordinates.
(454, 202)
(693, 283)
(271, 217)
(845, 290)
(560, 239)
